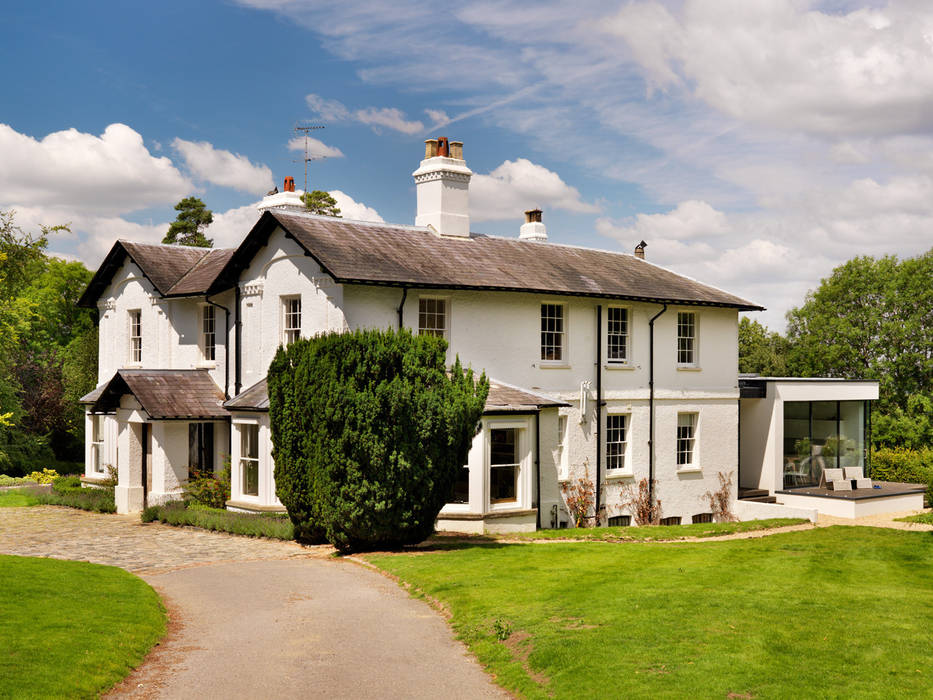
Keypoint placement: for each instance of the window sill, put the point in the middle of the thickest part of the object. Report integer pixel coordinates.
(545, 364)
(689, 470)
(207, 364)
(614, 474)
(689, 368)
(619, 365)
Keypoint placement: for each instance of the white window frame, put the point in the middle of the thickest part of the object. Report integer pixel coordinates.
(627, 359)
(97, 443)
(244, 429)
(290, 333)
(429, 330)
(625, 468)
(135, 336)
(693, 360)
(563, 335)
(208, 337)
(522, 500)
(687, 442)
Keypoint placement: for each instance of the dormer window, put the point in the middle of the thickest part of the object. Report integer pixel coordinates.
(136, 336)
(291, 319)
(208, 333)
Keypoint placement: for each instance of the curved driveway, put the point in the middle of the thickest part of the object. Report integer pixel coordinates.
(260, 618)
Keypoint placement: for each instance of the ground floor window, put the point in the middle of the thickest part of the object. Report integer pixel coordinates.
(686, 438)
(615, 441)
(249, 459)
(201, 446)
(97, 443)
(503, 465)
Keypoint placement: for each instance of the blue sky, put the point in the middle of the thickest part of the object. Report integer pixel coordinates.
(754, 144)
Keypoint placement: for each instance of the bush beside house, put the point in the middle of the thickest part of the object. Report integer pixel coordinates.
(369, 432)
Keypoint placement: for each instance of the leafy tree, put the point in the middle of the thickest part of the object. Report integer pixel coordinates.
(871, 318)
(79, 375)
(761, 351)
(369, 432)
(188, 228)
(909, 428)
(319, 202)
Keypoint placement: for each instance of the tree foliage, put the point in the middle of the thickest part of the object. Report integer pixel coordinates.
(188, 228)
(761, 351)
(319, 202)
(872, 318)
(38, 320)
(369, 432)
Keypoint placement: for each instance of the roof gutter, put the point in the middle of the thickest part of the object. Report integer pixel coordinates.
(651, 404)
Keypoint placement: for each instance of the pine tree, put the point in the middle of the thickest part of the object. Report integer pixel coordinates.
(188, 227)
(319, 202)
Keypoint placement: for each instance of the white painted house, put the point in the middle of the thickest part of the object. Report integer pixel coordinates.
(603, 365)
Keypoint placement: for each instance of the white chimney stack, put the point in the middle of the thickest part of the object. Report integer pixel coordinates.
(533, 229)
(286, 199)
(443, 187)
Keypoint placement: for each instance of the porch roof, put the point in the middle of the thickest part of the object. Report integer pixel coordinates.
(503, 398)
(164, 394)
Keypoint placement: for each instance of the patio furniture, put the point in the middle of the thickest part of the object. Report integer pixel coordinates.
(857, 477)
(834, 480)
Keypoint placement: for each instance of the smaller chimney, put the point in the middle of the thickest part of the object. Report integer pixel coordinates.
(640, 250)
(289, 185)
(533, 229)
(286, 199)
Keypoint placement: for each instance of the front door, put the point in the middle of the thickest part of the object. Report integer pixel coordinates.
(147, 462)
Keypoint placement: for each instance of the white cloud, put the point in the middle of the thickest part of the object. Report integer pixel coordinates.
(223, 168)
(786, 66)
(374, 117)
(106, 174)
(316, 148)
(519, 185)
(438, 118)
(691, 220)
(351, 209)
(230, 227)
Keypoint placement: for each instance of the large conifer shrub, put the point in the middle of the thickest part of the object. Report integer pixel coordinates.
(369, 430)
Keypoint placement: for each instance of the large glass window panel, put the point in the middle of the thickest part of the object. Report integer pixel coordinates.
(852, 434)
(797, 444)
(503, 465)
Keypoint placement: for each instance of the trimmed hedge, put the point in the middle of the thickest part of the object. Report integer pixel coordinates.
(369, 432)
(67, 491)
(259, 525)
(902, 464)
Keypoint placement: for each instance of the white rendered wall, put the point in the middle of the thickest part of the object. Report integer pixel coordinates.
(282, 269)
(755, 510)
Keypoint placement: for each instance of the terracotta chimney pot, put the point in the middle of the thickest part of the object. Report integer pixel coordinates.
(289, 185)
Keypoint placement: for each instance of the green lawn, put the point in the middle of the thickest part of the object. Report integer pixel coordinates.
(71, 629)
(830, 612)
(17, 498)
(655, 532)
(923, 518)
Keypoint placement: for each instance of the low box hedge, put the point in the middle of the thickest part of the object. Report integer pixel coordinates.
(179, 513)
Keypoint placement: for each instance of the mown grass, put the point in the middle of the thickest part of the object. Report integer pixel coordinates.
(260, 525)
(72, 629)
(828, 612)
(656, 532)
(923, 518)
(17, 498)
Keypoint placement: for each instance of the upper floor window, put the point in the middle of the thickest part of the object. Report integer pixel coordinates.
(616, 440)
(432, 317)
(686, 338)
(136, 336)
(686, 439)
(291, 319)
(208, 332)
(552, 332)
(617, 339)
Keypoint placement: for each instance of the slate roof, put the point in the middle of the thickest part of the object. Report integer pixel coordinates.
(164, 394)
(503, 398)
(383, 254)
(174, 270)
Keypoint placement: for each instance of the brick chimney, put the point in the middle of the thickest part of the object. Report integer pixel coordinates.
(533, 229)
(442, 183)
(640, 250)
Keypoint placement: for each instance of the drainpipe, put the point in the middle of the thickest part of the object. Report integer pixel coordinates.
(538, 469)
(226, 344)
(401, 308)
(599, 407)
(651, 403)
(238, 324)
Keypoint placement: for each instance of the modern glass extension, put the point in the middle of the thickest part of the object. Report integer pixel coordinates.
(822, 435)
